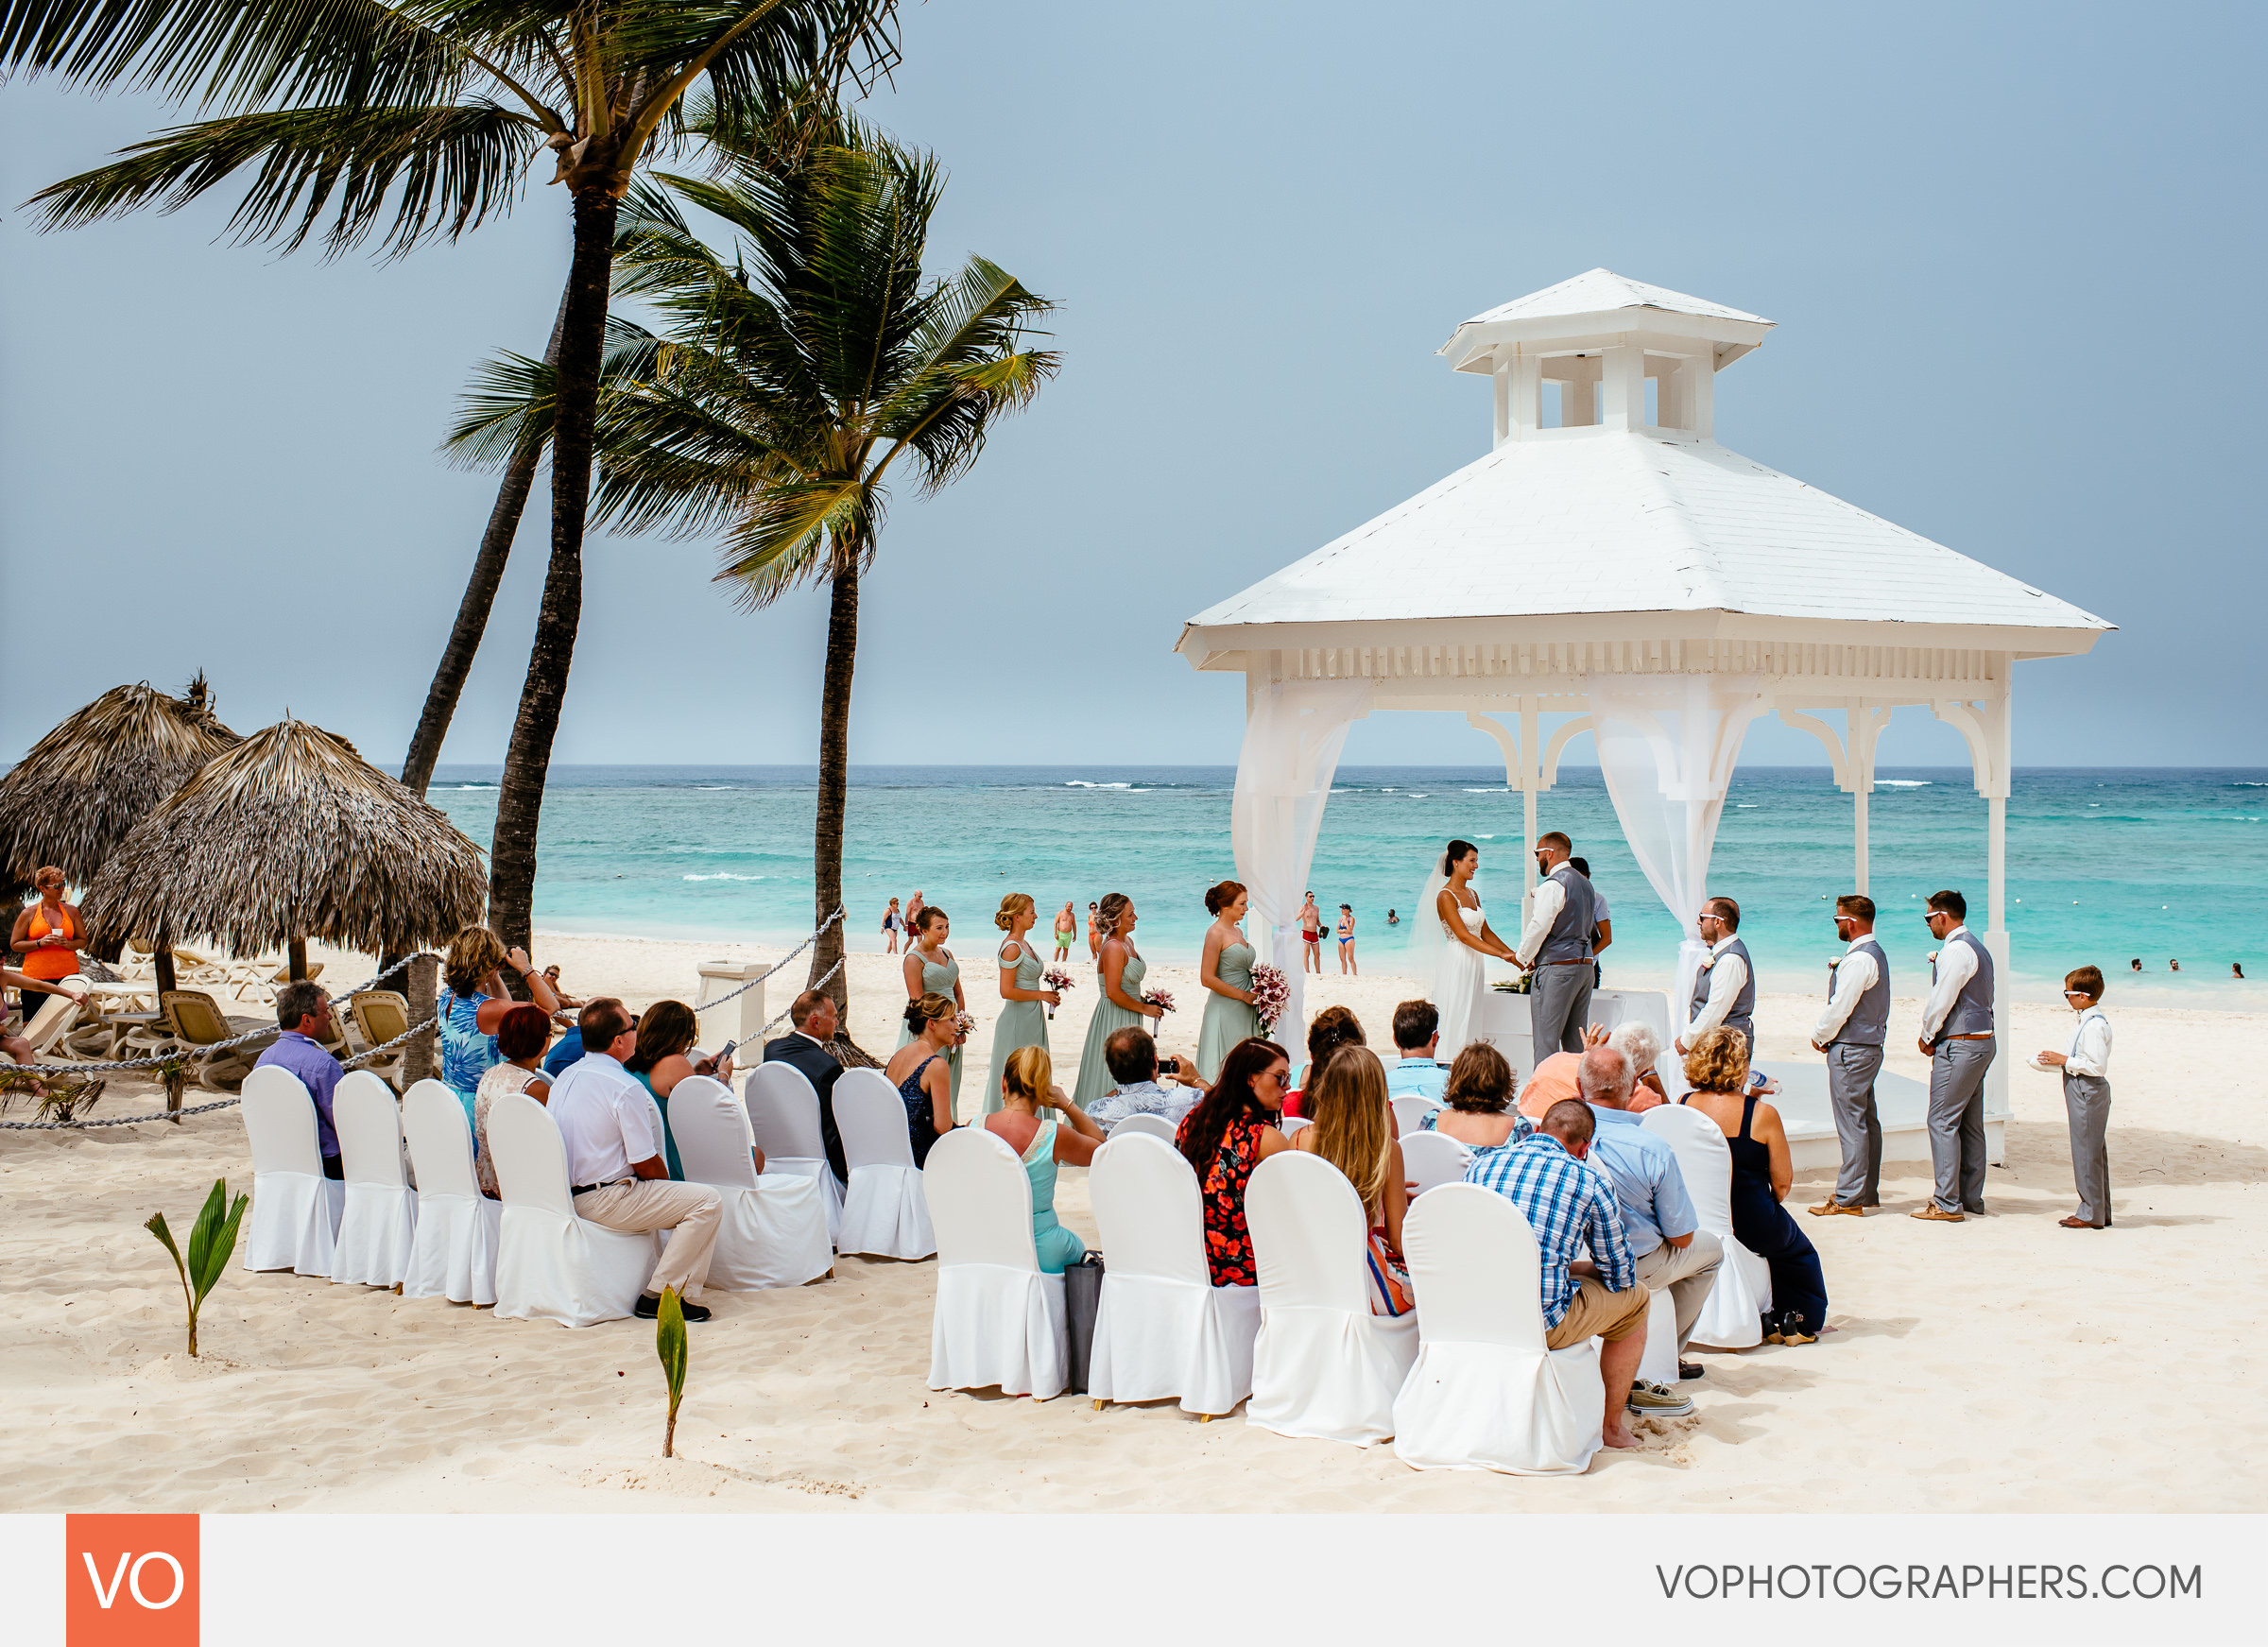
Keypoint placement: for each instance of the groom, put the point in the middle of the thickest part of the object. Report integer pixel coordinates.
(1556, 944)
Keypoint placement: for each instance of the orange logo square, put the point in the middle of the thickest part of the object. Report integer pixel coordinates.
(130, 1581)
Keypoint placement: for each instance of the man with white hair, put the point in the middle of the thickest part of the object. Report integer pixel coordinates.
(1638, 1043)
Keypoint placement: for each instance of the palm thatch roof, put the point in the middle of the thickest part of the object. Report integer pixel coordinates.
(291, 835)
(71, 800)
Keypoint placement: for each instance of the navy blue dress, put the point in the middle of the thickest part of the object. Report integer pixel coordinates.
(1798, 1284)
(920, 1119)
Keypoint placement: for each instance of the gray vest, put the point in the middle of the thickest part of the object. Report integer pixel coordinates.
(1743, 1015)
(1868, 1025)
(1570, 936)
(1973, 1009)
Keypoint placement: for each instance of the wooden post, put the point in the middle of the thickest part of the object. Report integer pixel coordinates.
(161, 960)
(298, 959)
(416, 1054)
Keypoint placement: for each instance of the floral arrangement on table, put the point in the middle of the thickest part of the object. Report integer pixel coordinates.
(1516, 986)
(1271, 995)
(1055, 978)
(1160, 999)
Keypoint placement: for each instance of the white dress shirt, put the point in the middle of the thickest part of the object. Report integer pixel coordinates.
(1551, 898)
(605, 1118)
(1727, 974)
(2090, 1046)
(1956, 966)
(1855, 975)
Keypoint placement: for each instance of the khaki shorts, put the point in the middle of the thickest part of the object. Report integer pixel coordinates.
(1595, 1312)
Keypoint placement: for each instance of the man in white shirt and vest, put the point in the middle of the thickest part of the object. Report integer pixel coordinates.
(615, 1168)
(1555, 950)
(1851, 1032)
(1956, 1033)
(1724, 989)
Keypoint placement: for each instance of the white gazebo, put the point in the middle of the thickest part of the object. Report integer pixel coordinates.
(1624, 567)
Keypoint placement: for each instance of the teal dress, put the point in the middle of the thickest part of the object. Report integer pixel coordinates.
(1109, 1017)
(1227, 1022)
(1058, 1247)
(669, 1138)
(1022, 1024)
(936, 980)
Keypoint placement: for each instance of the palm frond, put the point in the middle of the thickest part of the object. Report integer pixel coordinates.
(510, 402)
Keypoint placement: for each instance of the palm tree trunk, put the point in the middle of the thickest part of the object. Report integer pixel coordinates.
(528, 760)
(835, 777)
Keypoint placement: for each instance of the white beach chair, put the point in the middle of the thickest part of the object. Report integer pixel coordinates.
(458, 1228)
(1155, 1125)
(783, 1122)
(1430, 1160)
(999, 1321)
(1323, 1366)
(1487, 1393)
(1290, 1124)
(774, 1232)
(1410, 1113)
(294, 1221)
(1732, 1316)
(378, 1231)
(549, 1262)
(884, 1212)
(1163, 1330)
(48, 1020)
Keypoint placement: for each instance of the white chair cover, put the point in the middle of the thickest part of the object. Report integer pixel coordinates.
(294, 1221)
(783, 1122)
(1430, 1160)
(998, 1320)
(884, 1212)
(775, 1227)
(1660, 1363)
(1323, 1366)
(1487, 1393)
(1410, 1113)
(1292, 1124)
(1733, 1317)
(1156, 1125)
(549, 1262)
(1163, 1330)
(378, 1231)
(458, 1227)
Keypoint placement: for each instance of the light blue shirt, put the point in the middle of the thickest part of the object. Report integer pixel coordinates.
(1641, 1167)
(1417, 1078)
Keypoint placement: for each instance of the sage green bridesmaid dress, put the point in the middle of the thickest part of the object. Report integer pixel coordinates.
(1022, 1024)
(1227, 1022)
(936, 980)
(1109, 1017)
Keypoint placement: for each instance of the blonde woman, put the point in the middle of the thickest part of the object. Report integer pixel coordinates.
(1027, 1090)
(474, 1002)
(1353, 1130)
(1023, 1014)
(929, 970)
(1119, 972)
(918, 1069)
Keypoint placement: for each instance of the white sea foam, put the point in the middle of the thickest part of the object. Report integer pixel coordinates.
(1082, 784)
(476, 786)
(1488, 792)
(1901, 782)
(722, 875)
(1416, 795)
(714, 787)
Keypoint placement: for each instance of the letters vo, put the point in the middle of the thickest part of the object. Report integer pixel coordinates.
(130, 1581)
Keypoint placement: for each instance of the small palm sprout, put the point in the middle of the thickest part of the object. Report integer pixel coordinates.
(669, 1344)
(212, 1240)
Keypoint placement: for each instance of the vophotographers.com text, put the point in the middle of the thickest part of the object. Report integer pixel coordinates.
(1885, 1581)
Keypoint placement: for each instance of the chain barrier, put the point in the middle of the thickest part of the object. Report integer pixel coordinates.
(736, 994)
(784, 1015)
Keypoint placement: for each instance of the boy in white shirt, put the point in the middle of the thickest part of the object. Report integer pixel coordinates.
(2087, 1097)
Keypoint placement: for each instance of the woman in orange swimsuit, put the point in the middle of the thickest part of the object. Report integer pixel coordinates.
(48, 934)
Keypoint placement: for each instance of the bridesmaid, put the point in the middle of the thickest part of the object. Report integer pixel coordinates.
(1226, 970)
(1120, 969)
(1024, 1019)
(929, 970)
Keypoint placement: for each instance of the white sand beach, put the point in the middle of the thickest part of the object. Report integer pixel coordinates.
(2003, 1364)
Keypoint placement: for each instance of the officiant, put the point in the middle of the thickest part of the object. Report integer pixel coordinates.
(1555, 950)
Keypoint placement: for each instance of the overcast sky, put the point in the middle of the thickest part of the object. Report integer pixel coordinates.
(2005, 251)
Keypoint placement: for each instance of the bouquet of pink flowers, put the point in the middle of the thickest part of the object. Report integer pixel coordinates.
(1055, 978)
(963, 1024)
(1158, 998)
(1271, 995)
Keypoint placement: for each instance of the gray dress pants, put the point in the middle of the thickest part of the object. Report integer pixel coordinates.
(1957, 1121)
(1558, 1007)
(2087, 1103)
(1851, 1071)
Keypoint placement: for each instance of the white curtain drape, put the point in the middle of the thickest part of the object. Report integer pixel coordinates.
(1293, 734)
(1667, 745)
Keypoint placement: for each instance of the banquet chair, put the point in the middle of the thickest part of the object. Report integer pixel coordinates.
(549, 1262)
(1430, 1160)
(783, 1120)
(1486, 1392)
(378, 1231)
(1163, 1330)
(884, 1212)
(294, 1221)
(999, 1320)
(774, 1232)
(1410, 1113)
(1323, 1366)
(1290, 1124)
(1156, 1125)
(454, 1256)
(1732, 1316)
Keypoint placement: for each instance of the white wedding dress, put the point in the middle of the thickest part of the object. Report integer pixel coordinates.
(1459, 989)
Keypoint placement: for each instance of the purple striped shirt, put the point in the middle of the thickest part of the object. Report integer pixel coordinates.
(318, 1070)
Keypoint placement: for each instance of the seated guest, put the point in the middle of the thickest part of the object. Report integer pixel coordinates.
(1230, 1131)
(804, 1047)
(615, 1169)
(1555, 1081)
(15, 1046)
(1417, 1037)
(303, 1011)
(1570, 1208)
(667, 1030)
(1659, 1226)
(1638, 1043)
(1479, 1112)
(1762, 1170)
(1133, 1057)
(567, 1052)
(473, 1002)
(1026, 1088)
(1353, 1130)
(1333, 1027)
(922, 1072)
(521, 1038)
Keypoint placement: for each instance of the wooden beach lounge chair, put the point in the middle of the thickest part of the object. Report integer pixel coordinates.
(46, 1026)
(379, 1015)
(197, 1025)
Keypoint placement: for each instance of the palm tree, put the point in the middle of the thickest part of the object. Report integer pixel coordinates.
(788, 385)
(397, 124)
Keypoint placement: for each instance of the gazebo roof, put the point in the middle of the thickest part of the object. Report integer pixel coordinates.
(1601, 291)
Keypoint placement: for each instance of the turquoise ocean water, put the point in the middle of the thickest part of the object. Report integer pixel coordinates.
(2104, 865)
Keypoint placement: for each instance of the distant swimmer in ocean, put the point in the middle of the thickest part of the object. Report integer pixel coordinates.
(2138, 963)
(2174, 966)
(1393, 920)
(2236, 969)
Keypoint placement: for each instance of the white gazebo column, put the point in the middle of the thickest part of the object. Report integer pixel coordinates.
(1866, 725)
(1520, 773)
(1988, 726)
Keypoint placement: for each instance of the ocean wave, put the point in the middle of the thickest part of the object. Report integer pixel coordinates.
(1488, 792)
(723, 875)
(1901, 783)
(473, 786)
(1415, 794)
(1082, 784)
(716, 786)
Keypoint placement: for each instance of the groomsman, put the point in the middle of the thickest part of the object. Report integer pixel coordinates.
(1851, 1033)
(1725, 992)
(1556, 944)
(1956, 1033)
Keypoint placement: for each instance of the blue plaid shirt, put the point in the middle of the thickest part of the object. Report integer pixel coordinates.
(1569, 1208)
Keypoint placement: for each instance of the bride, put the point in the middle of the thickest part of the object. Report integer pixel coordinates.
(1460, 933)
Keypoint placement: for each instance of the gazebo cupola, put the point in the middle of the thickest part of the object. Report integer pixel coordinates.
(1615, 353)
